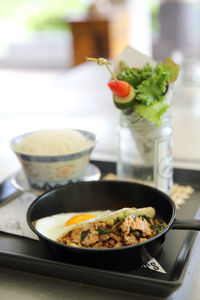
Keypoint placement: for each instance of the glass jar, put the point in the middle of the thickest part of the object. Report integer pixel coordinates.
(145, 151)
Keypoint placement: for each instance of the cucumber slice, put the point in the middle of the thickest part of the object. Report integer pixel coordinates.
(124, 102)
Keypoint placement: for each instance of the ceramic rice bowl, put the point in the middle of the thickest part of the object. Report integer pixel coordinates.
(47, 172)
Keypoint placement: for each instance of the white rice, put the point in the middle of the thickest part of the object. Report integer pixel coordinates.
(53, 142)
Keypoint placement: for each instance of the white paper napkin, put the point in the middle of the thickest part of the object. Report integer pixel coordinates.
(13, 216)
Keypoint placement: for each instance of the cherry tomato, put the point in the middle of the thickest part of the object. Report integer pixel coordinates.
(120, 88)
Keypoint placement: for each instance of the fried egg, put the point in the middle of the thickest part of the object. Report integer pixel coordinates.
(54, 226)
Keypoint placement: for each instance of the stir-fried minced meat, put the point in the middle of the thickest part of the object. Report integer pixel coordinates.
(127, 231)
(139, 223)
(76, 235)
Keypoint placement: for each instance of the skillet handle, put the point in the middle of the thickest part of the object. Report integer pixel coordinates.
(189, 224)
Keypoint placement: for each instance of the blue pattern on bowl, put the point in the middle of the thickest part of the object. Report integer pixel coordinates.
(53, 158)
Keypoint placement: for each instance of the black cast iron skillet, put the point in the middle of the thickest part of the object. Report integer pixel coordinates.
(103, 195)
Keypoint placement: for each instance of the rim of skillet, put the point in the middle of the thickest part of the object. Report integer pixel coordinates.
(173, 215)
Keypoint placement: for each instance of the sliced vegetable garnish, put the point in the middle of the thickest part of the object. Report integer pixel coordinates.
(125, 102)
(122, 213)
(149, 86)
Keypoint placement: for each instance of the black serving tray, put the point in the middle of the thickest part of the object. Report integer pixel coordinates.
(27, 255)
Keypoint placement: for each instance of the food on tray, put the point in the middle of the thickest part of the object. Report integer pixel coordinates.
(55, 225)
(124, 227)
(53, 142)
(142, 90)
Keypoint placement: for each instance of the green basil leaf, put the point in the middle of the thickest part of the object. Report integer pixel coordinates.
(157, 227)
(137, 234)
(146, 218)
(83, 235)
(103, 231)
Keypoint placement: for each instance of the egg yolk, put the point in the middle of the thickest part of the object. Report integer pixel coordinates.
(79, 218)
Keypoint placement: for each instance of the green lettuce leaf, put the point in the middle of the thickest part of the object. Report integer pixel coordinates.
(153, 112)
(153, 89)
(136, 76)
(173, 68)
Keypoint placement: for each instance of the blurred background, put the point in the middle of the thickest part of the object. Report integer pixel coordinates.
(45, 81)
